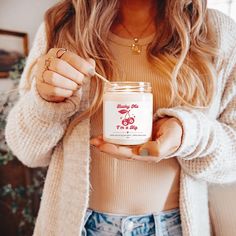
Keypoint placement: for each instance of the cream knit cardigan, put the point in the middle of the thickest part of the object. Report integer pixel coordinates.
(35, 132)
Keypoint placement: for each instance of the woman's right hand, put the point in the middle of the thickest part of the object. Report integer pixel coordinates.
(60, 73)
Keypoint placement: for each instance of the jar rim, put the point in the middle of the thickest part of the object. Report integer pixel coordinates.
(128, 86)
(130, 82)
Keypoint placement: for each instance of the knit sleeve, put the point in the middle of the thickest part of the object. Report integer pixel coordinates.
(208, 149)
(34, 126)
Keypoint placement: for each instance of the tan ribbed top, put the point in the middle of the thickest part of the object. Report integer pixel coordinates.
(136, 187)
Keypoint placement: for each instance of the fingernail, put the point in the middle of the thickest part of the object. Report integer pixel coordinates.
(143, 152)
(91, 71)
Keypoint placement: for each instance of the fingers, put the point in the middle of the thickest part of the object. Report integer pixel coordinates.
(92, 62)
(126, 152)
(168, 136)
(161, 121)
(57, 73)
(100, 136)
(66, 70)
(168, 144)
(75, 61)
(159, 148)
(111, 148)
(57, 80)
(150, 148)
(150, 159)
(152, 151)
(97, 141)
(156, 127)
(50, 91)
(149, 152)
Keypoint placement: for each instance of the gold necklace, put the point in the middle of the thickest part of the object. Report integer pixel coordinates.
(136, 48)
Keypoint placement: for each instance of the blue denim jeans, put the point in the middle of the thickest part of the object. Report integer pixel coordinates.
(166, 223)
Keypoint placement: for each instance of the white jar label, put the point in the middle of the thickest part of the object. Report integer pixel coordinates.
(127, 121)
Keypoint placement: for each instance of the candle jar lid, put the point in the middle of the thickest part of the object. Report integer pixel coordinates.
(128, 86)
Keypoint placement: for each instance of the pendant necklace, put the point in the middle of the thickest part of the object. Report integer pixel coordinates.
(136, 48)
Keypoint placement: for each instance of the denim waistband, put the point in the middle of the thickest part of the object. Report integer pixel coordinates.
(161, 224)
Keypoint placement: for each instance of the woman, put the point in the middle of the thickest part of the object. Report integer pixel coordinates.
(159, 188)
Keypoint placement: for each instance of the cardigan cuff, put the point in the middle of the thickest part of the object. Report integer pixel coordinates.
(52, 111)
(191, 129)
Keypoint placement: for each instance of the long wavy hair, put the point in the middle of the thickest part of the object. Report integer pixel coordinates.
(182, 50)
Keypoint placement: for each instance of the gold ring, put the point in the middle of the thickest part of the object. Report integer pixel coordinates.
(43, 80)
(62, 51)
(47, 63)
(46, 66)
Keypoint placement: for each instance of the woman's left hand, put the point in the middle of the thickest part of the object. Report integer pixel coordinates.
(166, 139)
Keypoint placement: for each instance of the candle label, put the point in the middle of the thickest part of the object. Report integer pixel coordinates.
(127, 120)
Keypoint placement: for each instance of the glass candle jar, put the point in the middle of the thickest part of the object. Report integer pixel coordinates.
(127, 113)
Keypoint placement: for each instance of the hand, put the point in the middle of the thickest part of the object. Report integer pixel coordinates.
(61, 73)
(166, 139)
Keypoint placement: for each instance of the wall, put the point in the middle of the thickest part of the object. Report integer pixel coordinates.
(26, 15)
(226, 6)
(21, 15)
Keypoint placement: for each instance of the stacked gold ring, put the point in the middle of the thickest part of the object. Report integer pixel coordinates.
(60, 52)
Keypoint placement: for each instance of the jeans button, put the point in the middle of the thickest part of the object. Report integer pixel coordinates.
(130, 225)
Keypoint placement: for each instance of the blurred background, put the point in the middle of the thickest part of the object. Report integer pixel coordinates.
(21, 187)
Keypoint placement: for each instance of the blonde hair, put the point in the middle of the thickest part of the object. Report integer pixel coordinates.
(181, 51)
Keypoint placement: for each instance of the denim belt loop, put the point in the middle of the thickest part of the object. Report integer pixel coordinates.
(157, 220)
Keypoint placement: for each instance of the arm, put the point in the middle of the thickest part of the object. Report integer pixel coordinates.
(35, 126)
(208, 149)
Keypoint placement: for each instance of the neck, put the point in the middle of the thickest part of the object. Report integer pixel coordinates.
(135, 15)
